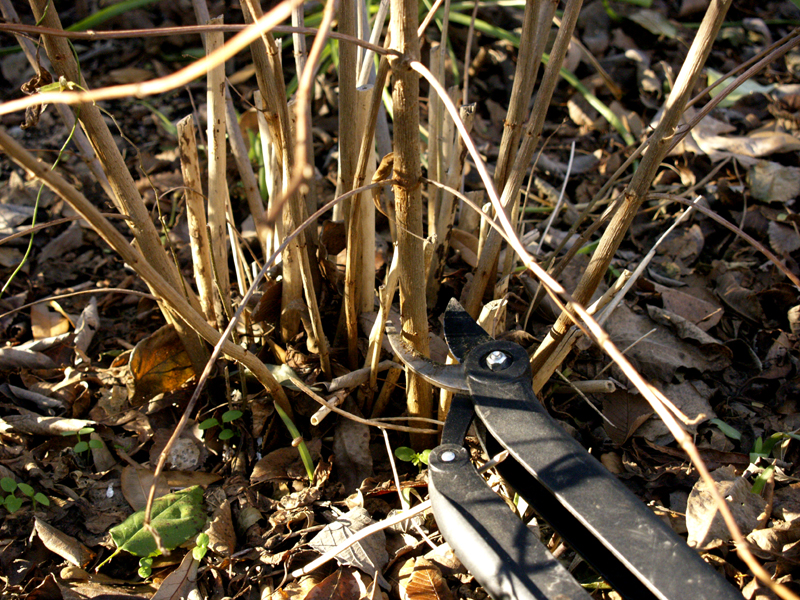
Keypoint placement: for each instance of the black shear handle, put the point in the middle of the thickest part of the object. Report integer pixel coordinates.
(637, 553)
(498, 549)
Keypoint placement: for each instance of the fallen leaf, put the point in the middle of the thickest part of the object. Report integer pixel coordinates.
(176, 518)
(66, 546)
(159, 364)
(340, 585)
(181, 584)
(221, 534)
(46, 323)
(136, 482)
(368, 555)
(351, 454)
(703, 521)
(420, 579)
(627, 412)
(284, 463)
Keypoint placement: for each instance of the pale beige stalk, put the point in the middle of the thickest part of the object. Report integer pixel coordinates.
(533, 131)
(217, 176)
(408, 203)
(359, 282)
(126, 197)
(302, 250)
(196, 217)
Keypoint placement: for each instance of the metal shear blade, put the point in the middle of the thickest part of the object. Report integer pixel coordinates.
(449, 377)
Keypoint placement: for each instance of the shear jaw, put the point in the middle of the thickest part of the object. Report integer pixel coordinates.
(448, 377)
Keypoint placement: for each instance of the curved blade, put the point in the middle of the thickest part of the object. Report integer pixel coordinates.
(461, 332)
(449, 377)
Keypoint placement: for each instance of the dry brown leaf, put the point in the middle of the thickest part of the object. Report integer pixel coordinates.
(159, 364)
(66, 546)
(283, 463)
(46, 323)
(420, 579)
(703, 313)
(703, 521)
(181, 584)
(38, 425)
(221, 535)
(627, 412)
(136, 482)
(340, 585)
(351, 453)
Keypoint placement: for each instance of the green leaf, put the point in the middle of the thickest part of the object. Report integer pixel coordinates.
(13, 503)
(423, 456)
(231, 415)
(208, 423)
(761, 480)
(202, 539)
(748, 87)
(405, 454)
(8, 484)
(96, 444)
(176, 518)
(726, 429)
(41, 498)
(226, 434)
(86, 431)
(81, 447)
(26, 489)
(198, 552)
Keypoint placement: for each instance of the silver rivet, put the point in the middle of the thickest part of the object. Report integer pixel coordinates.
(498, 360)
(448, 456)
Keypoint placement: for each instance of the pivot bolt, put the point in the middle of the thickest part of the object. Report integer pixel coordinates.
(448, 456)
(498, 360)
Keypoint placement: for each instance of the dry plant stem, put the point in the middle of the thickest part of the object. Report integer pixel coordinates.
(196, 217)
(301, 251)
(238, 148)
(300, 56)
(127, 198)
(408, 203)
(58, 297)
(334, 408)
(748, 238)
(359, 283)
(175, 80)
(491, 248)
(387, 292)
(348, 135)
(150, 274)
(350, 127)
(447, 207)
(87, 153)
(178, 30)
(223, 341)
(528, 60)
(643, 177)
(218, 178)
(249, 183)
(601, 338)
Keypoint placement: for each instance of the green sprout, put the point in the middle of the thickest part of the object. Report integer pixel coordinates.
(12, 502)
(199, 551)
(83, 445)
(227, 417)
(407, 454)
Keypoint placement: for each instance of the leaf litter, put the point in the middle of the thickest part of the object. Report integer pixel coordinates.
(723, 348)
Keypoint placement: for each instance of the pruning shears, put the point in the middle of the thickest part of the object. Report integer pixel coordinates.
(634, 551)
